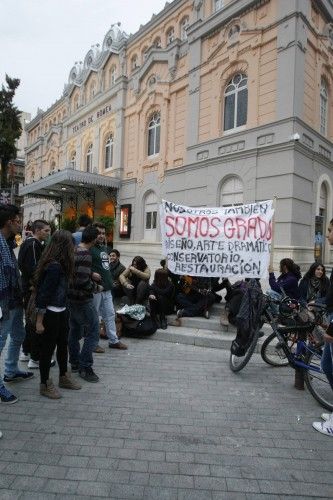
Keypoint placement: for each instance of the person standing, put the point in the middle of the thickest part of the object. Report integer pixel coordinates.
(11, 301)
(54, 271)
(83, 314)
(326, 426)
(28, 257)
(83, 222)
(103, 300)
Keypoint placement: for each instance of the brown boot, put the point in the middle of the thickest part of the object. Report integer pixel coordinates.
(48, 390)
(66, 382)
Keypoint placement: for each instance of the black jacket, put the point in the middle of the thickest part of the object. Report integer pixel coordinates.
(28, 257)
(305, 289)
(52, 288)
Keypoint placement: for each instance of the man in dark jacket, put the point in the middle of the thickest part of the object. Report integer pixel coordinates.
(83, 314)
(28, 257)
(11, 303)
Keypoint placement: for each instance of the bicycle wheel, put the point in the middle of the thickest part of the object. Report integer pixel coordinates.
(272, 352)
(317, 382)
(237, 363)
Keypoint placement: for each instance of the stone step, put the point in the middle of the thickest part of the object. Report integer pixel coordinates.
(200, 323)
(202, 337)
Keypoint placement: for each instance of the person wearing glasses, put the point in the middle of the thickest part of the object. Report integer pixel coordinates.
(11, 302)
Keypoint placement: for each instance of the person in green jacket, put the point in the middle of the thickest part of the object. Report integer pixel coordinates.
(103, 300)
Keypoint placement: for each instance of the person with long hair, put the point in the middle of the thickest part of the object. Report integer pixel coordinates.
(53, 275)
(314, 284)
(135, 281)
(161, 298)
(288, 280)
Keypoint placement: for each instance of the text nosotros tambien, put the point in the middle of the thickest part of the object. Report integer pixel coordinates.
(241, 228)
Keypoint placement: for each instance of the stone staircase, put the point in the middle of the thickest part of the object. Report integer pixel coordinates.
(199, 331)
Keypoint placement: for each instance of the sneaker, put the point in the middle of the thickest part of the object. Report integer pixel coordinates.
(24, 357)
(327, 416)
(33, 365)
(99, 350)
(6, 396)
(206, 314)
(180, 313)
(18, 377)
(118, 345)
(74, 368)
(324, 427)
(88, 375)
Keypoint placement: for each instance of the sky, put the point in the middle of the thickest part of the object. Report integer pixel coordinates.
(41, 39)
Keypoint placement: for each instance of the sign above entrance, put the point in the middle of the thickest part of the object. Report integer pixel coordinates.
(88, 120)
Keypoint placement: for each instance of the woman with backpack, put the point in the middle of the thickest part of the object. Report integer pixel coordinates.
(54, 272)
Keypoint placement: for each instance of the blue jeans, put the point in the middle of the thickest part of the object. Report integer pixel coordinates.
(15, 328)
(83, 320)
(327, 362)
(104, 307)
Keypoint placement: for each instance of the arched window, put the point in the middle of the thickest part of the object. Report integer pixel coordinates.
(183, 28)
(231, 192)
(150, 214)
(52, 167)
(112, 76)
(76, 102)
(235, 102)
(108, 152)
(73, 160)
(323, 107)
(157, 43)
(154, 132)
(170, 35)
(89, 158)
(92, 90)
(217, 5)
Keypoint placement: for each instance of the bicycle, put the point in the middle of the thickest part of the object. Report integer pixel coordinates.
(299, 346)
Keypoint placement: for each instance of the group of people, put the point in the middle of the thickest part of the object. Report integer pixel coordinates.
(64, 284)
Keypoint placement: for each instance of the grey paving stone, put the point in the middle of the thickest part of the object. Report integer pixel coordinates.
(61, 486)
(28, 483)
(153, 493)
(98, 489)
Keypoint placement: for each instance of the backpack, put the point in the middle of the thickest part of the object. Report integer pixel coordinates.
(137, 328)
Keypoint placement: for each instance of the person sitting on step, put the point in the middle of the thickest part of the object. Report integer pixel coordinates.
(161, 298)
(135, 281)
(196, 297)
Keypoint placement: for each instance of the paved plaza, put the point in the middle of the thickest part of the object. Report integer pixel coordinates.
(167, 421)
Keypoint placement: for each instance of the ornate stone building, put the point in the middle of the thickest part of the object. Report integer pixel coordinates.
(212, 102)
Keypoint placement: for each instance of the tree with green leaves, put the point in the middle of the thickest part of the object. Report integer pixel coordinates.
(10, 125)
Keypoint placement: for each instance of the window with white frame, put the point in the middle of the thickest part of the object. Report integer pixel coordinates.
(112, 76)
(170, 35)
(108, 152)
(231, 192)
(183, 28)
(217, 5)
(235, 102)
(89, 157)
(73, 160)
(323, 107)
(150, 214)
(154, 132)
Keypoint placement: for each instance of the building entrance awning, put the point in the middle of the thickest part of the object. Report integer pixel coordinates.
(69, 182)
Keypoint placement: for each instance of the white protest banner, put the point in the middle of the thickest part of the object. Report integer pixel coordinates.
(230, 241)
